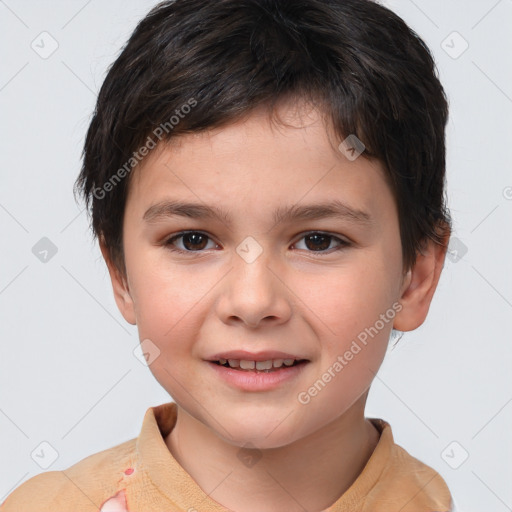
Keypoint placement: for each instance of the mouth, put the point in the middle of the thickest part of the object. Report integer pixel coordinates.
(262, 371)
(266, 366)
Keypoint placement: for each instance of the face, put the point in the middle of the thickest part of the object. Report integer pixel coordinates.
(274, 276)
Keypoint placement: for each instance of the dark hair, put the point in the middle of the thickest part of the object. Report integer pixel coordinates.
(373, 75)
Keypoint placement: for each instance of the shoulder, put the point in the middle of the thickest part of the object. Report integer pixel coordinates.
(82, 487)
(416, 473)
(414, 485)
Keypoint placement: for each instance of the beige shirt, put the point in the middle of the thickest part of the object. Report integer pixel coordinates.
(141, 475)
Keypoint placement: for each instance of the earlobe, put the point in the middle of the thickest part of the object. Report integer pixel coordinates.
(120, 287)
(419, 286)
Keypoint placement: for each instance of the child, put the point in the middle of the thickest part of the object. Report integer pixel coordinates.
(266, 181)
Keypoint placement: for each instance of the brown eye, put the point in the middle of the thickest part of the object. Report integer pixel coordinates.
(192, 241)
(321, 243)
(318, 242)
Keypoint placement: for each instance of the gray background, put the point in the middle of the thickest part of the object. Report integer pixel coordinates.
(68, 374)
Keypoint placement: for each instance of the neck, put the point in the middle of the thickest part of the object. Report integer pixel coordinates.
(308, 474)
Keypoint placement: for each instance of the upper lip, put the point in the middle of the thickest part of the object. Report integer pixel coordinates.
(253, 356)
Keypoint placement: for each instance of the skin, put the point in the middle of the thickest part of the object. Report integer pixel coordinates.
(290, 298)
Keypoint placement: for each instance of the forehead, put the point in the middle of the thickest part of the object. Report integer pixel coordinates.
(256, 164)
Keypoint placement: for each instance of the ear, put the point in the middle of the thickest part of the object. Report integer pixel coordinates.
(120, 286)
(420, 283)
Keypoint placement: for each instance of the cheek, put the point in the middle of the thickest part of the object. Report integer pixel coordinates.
(350, 299)
(165, 298)
(354, 341)
(168, 314)
(355, 309)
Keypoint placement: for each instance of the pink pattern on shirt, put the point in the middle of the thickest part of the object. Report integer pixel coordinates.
(116, 503)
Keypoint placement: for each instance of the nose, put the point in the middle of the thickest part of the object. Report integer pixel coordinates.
(254, 293)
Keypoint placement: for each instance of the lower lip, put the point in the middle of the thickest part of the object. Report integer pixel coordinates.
(247, 380)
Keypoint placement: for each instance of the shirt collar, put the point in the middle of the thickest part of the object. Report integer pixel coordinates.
(182, 491)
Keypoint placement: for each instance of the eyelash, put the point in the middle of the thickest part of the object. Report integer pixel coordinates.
(342, 243)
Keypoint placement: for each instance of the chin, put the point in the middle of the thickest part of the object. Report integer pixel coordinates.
(264, 430)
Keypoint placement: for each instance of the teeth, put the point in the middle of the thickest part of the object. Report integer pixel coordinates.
(258, 365)
(264, 365)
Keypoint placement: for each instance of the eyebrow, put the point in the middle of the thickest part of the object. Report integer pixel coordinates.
(331, 209)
